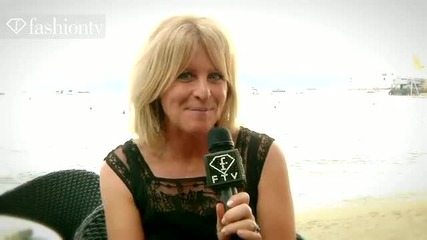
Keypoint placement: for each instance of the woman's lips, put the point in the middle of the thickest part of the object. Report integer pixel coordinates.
(199, 109)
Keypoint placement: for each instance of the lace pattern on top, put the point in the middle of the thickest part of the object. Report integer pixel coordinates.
(165, 202)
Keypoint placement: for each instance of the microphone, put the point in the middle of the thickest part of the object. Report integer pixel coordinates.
(224, 167)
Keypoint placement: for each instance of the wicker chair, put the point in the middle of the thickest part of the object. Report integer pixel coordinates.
(60, 200)
(93, 227)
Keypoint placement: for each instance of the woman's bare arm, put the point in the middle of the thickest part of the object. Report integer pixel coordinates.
(275, 211)
(121, 214)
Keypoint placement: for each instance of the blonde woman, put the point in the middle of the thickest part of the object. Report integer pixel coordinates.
(154, 185)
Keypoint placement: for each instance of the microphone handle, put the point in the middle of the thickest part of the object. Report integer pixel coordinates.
(226, 193)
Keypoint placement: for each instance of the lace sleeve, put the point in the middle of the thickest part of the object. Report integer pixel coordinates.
(258, 146)
(119, 166)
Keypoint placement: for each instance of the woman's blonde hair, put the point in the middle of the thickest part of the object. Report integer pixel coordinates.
(166, 55)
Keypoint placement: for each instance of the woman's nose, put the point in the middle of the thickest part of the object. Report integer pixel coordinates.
(202, 89)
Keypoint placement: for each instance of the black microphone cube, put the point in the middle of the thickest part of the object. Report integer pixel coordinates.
(224, 169)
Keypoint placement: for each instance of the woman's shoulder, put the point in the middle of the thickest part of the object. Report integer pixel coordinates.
(118, 153)
(247, 135)
(117, 160)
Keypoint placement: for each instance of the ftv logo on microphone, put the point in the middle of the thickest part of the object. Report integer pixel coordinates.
(53, 26)
(224, 168)
(222, 164)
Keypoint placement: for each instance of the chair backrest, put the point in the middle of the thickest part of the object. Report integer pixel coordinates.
(60, 200)
(93, 227)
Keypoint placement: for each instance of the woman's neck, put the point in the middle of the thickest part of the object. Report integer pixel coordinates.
(184, 147)
(181, 156)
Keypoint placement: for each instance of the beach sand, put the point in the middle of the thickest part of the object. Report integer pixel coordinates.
(397, 217)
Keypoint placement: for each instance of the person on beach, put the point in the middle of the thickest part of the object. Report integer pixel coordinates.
(153, 186)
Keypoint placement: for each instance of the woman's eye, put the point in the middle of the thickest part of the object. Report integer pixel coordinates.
(216, 76)
(186, 76)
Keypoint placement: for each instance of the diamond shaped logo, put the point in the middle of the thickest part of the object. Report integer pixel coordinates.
(16, 24)
(222, 163)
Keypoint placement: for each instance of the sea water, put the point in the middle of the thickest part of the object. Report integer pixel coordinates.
(338, 145)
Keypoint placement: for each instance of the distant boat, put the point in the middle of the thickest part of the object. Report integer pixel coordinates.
(255, 91)
(70, 92)
(278, 90)
(408, 86)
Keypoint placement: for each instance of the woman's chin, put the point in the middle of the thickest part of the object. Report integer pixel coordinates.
(199, 128)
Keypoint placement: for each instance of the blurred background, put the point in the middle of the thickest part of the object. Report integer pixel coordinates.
(315, 75)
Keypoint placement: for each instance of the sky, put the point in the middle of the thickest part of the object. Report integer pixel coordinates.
(280, 44)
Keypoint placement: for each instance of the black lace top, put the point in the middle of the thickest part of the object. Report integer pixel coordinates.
(185, 208)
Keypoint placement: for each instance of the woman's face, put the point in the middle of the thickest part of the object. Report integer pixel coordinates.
(195, 100)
